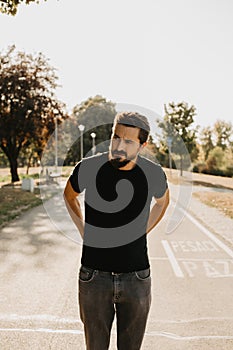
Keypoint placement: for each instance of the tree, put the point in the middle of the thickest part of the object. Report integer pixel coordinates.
(10, 7)
(151, 150)
(28, 106)
(97, 115)
(206, 141)
(223, 131)
(216, 161)
(176, 126)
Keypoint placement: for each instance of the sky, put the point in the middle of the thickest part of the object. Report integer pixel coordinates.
(144, 53)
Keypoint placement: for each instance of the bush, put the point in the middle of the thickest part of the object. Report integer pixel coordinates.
(213, 171)
(229, 171)
(198, 168)
(216, 159)
(205, 169)
(215, 164)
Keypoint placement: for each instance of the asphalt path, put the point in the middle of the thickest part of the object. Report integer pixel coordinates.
(192, 282)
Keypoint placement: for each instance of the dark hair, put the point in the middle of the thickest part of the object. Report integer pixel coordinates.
(134, 120)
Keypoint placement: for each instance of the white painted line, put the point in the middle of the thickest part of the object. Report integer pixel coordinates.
(204, 259)
(38, 318)
(174, 263)
(208, 233)
(66, 320)
(192, 259)
(193, 320)
(153, 334)
(42, 330)
(188, 338)
(221, 276)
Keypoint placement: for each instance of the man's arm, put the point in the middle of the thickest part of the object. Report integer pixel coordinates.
(73, 206)
(158, 211)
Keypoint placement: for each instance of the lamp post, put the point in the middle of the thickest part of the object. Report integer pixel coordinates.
(55, 136)
(169, 143)
(81, 129)
(93, 135)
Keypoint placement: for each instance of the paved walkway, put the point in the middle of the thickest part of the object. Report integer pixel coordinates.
(210, 217)
(39, 268)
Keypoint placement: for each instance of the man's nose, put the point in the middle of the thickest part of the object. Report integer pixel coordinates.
(121, 145)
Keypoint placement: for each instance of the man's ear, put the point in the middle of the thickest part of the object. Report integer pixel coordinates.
(144, 144)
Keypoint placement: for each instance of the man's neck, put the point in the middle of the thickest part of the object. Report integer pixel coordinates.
(128, 166)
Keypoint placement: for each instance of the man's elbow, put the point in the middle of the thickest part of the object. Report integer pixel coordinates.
(65, 198)
(167, 200)
(168, 196)
(65, 194)
(68, 193)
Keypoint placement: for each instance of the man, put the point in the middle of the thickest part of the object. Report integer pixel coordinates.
(114, 277)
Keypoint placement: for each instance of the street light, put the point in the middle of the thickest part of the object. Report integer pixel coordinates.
(169, 143)
(81, 128)
(56, 162)
(93, 135)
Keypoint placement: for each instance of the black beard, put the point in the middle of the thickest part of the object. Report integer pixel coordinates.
(117, 163)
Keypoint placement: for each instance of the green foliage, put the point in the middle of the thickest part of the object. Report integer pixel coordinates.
(97, 115)
(219, 162)
(31, 176)
(217, 148)
(14, 201)
(181, 116)
(216, 158)
(206, 141)
(10, 7)
(223, 132)
(176, 125)
(28, 106)
(3, 159)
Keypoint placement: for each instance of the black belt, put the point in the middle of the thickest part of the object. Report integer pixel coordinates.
(100, 272)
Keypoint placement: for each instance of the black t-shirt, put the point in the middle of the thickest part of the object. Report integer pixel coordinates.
(117, 206)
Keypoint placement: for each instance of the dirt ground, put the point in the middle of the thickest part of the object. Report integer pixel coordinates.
(222, 201)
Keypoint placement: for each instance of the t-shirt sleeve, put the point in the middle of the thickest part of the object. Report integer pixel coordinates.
(160, 182)
(74, 179)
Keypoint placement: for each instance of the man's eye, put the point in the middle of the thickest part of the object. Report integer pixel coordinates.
(129, 142)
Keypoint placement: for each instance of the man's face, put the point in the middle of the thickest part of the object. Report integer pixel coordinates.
(125, 145)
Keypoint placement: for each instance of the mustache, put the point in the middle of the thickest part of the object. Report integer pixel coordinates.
(115, 153)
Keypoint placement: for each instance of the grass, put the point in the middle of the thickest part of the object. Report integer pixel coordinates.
(14, 201)
(222, 201)
(32, 176)
(5, 178)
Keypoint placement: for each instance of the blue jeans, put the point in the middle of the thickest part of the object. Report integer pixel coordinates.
(104, 294)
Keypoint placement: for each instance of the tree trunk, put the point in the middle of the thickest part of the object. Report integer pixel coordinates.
(14, 169)
(13, 160)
